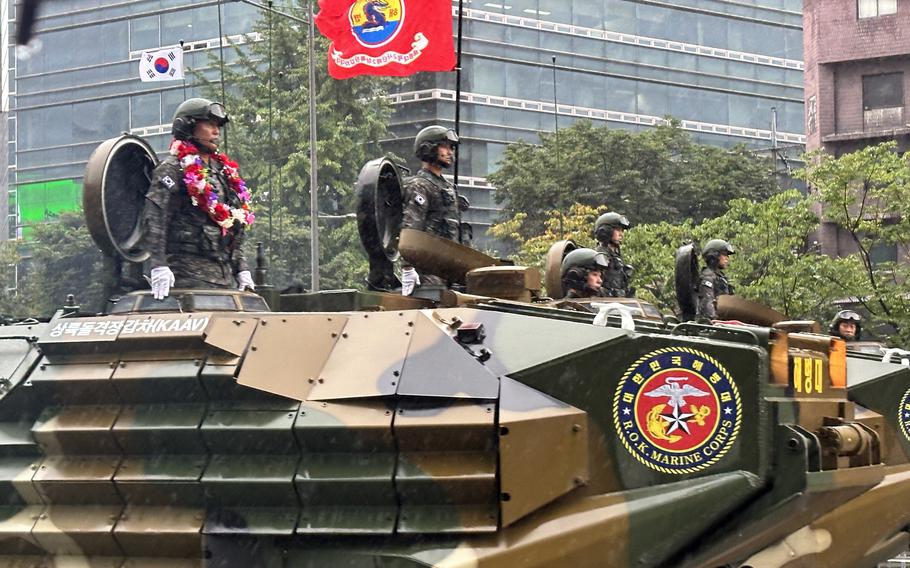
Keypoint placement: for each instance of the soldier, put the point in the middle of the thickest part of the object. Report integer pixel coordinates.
(430, 202)
(714, 282)
(847, 325)
(197, 208)
(581, 273)
(609, 230)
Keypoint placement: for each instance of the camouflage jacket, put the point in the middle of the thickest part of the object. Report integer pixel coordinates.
(586, 293)
(181, 236)
(617, 278)
(430, 205)
(712, 283)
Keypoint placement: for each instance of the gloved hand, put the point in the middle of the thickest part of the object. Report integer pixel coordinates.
(245, 280)
(409, 279)
(162, 280)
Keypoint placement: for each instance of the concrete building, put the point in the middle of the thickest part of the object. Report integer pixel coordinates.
(717, 65)
(857, 75)
(857, 82)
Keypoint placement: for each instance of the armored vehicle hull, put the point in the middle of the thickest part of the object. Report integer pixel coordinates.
(496, 434)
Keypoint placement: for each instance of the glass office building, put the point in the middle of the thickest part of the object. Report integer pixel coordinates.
(717, 65)
(79, 85)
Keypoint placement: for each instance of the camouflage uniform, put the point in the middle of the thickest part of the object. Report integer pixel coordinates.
(587, 293)
(616, 277)
(713, 283)
(430, 205)
(182, 237)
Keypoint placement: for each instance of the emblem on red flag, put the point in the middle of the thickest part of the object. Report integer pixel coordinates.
(387, 37)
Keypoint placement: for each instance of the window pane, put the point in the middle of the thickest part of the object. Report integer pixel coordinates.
(883, 91)
(145, 110)
(867, 9)
(887, 7)
(144, 33)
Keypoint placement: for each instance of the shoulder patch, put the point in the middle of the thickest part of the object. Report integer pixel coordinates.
(168, 182)
(707, 283)
(420, 199)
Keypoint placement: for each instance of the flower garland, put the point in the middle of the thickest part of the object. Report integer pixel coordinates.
(203, 196)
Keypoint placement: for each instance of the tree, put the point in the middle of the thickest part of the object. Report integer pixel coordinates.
(59, 260)
(576, 224)
(655, 175)
(867, 194)
(268, 102)
(773, 265)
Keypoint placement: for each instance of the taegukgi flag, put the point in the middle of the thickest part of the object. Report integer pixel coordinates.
(161, 64)
(387, 37)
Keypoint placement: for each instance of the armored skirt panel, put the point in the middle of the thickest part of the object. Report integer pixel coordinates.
(506, 435)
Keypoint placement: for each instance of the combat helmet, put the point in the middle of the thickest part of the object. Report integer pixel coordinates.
(430, 138)
(846, 315)
(606, 223)
(577, 264)
(193, 110)
(716, 247)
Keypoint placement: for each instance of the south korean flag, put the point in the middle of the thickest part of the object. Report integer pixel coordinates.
(161, 65)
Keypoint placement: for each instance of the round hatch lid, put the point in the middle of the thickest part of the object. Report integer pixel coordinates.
(686, 279)
(379, 208)
(117, 179)
(553, 267)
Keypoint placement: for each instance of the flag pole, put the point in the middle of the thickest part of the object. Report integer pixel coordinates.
(221, 57)
(314, 206)
(458, 109)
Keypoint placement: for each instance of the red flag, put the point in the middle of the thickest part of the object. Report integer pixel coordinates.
(387, 37)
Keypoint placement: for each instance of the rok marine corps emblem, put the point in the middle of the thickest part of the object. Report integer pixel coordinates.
(376, 22)
(903, 414)
(677, 410)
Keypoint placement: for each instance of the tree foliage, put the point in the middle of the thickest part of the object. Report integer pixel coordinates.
(773, 265)
(656, 175)
(867, 194)
(268, 102)
(59, 260)
(575, 224)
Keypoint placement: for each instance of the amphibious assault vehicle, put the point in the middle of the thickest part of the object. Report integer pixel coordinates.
(366, 429)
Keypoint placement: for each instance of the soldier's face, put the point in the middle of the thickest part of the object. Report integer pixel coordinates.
(208, 134)
(722, 261)
(617, 236)
(445, 155)
(847, 329)
(594, 279)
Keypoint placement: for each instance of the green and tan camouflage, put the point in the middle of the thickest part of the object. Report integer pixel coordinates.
(358, 429)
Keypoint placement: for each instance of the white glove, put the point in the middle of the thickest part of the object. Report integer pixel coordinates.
(245, 280)
(409, 279)
(162, 280)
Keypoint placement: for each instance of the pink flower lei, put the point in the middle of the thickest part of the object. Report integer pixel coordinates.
(195, 176)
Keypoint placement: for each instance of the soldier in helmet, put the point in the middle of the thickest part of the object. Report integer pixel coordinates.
(197, 208)
(609, 230)
(430, 202)
(713, 282)
(582, 272)
(847, 325)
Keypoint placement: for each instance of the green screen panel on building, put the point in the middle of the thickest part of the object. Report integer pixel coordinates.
(43, 201)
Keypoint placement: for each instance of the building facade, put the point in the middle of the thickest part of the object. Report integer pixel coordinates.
(857, 73)
(856, 85)
(719, 66)
(79, 85)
